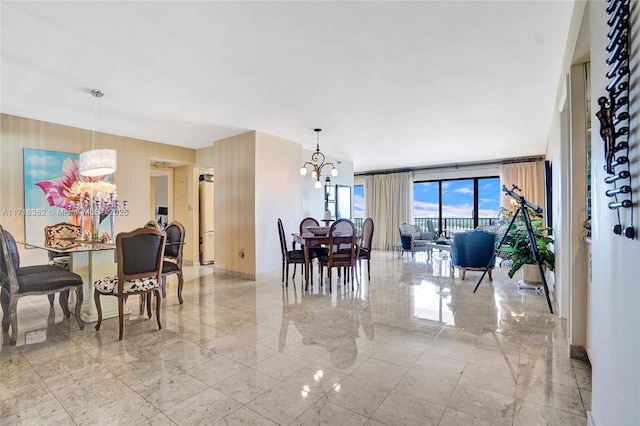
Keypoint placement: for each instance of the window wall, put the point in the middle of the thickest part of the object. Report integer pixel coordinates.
(452, 205)
(358, 207)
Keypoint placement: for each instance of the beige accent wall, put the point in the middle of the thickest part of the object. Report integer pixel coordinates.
(132, 176)
(235, 212)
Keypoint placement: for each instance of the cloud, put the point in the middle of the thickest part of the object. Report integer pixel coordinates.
(425, 209)
(358, 205)
(465, 190)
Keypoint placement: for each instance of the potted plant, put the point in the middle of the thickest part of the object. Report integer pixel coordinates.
(517, 247)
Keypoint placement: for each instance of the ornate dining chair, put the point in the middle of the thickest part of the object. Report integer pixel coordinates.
(364, 248)
(17, 282)
(292, 256)
(140, 255)
(306, 222)
(342, 250)
(60, 236)
(172, 263)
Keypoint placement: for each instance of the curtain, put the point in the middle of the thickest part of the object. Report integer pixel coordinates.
(529, 177)
(389, 202)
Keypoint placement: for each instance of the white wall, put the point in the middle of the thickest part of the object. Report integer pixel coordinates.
(615, 302)
(313, 198)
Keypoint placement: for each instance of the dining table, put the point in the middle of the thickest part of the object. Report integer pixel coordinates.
(306, 240)
(91, 260)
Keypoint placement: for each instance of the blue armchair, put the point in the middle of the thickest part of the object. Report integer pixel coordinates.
(472, 250)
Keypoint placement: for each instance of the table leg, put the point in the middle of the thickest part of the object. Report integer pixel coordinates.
(92, 266)
(307, 263)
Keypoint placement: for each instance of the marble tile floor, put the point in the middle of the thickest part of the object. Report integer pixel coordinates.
(412, 346)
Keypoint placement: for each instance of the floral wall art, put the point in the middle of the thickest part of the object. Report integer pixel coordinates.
(54, 189)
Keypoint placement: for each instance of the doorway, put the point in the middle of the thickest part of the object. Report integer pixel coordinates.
(161, 195)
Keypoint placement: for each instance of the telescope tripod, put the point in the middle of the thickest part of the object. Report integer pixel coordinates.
(522, 210)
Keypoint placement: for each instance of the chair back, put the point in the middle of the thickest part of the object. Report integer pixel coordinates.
(367, 233)
(307, 221)
(408, 230)
(342, 243)
(140, 254)
(152, 224)
(175, 241)
(60, 236)
(430, 226)
(9, 261)
(473, 249)
(283, 241)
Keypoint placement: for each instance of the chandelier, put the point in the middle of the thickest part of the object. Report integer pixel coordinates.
(317, 163)
(97, 162)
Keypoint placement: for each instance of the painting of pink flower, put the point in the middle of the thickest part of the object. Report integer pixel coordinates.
(58, 190)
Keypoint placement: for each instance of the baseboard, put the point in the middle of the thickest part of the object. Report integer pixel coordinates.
(578, 352)
(235, 274)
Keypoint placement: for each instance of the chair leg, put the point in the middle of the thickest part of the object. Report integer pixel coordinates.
(143, 297)
(96, 299)
(149, 299)
(180, 284)
(490, 277)
(120, 317)
(13, 320)
(369, 269)
(329, 276)
(462, 273)
(63, 299)
(283, 271)
(286, 280)
(4, 299)
(294, 270)
(164, 287)
(51, 299)
(158, 302)
(79, 299)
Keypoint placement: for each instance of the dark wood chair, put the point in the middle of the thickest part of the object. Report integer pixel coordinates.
(60, 236)
(310, 221)
(140, 254)
(292, 256)
(342, 250)
(172, 263)
(364, 248)
(17, 282)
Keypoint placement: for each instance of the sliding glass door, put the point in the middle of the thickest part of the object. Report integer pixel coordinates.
(454, 205)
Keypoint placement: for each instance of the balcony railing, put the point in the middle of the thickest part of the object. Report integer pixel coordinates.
(448, 223)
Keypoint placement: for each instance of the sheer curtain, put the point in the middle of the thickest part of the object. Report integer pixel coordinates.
(389, 202)
(527, 176)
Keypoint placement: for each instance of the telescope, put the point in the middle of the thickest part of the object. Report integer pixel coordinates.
(520, 199)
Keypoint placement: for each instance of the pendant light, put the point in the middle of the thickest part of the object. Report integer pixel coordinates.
(97, 162)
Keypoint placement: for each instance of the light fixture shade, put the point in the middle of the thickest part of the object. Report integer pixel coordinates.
(334, 172)
(318, 185)
(98, 162)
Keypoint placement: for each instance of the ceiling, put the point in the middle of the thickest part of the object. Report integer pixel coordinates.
(392, 84)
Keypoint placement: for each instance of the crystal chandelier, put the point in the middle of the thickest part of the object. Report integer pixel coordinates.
(317, 163)
(97, 162)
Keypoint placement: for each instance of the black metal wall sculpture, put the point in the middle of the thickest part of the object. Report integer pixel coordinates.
(614, 118)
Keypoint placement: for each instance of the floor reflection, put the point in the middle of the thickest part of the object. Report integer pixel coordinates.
(332, 321)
